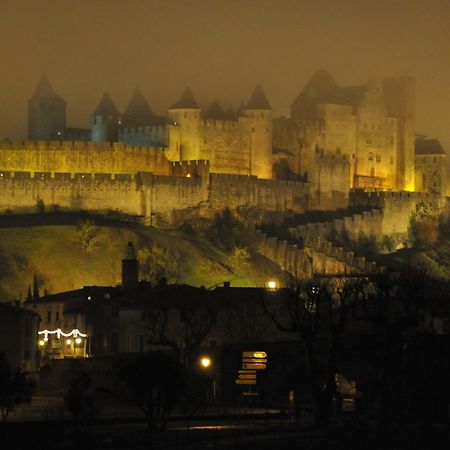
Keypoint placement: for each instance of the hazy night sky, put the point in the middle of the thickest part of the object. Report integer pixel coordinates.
(222, 49)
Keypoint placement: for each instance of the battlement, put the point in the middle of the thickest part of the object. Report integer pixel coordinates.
(233, 177)
(44, 178)
(190, 163)
(76, 145)
(149, 129)
(220, 124)
(320, 153)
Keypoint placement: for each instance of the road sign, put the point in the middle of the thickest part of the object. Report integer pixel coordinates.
(245, 376)
(254, 354)
(251, 382)
(255, 366)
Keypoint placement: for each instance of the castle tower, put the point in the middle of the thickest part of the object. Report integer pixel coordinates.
(46, 113)
(105, 121)
(186, 114)
(399, 93)
(130, 268)
(138, 112)
(259, 112)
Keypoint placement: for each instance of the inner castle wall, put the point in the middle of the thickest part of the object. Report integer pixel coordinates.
(82, 157)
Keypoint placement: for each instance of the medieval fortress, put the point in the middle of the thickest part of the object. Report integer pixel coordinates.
(352, 150)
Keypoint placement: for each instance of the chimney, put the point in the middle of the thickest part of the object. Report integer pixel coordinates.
(130, 268)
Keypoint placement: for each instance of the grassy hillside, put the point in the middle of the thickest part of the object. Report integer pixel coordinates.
(433, 261)
(55, 253)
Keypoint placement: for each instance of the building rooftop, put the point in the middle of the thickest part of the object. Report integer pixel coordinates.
(44, 90)
(258, 100)
(139, 113)
(186, 101)
(106, 107)
(429, 147)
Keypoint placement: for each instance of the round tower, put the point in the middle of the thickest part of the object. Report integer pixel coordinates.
(105, 121)
(185, 113)
(46, 113)
(259, 113)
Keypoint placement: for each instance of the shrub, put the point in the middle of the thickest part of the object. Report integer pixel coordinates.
(40, 205)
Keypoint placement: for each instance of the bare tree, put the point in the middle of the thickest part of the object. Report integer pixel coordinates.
(317, 311)
(197, 322)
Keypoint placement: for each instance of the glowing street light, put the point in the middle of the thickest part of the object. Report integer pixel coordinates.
(41, 343)
(272, 284)
(205, 362)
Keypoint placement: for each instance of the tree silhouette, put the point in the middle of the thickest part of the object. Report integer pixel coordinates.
(15, 388)
(198, 323)
(79, 400)
(157, 382)
(317, 311)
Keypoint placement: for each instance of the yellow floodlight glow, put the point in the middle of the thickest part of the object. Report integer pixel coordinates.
(205, 361)
(78, 341)
(272, 284)
(41, 343)
(68, 341)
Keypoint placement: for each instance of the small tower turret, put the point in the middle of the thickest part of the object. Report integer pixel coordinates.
(130, 268)
(259, 111)
(46, 113)
(105, 121)
(186, 114)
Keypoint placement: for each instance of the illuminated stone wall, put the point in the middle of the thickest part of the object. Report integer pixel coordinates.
(82, 157)
(226, 144)
(271, 195)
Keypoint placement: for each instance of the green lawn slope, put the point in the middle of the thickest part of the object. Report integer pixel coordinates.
(55, 254)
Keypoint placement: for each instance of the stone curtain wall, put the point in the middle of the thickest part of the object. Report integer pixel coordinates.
(271, 195)
(146, 194)
(82, 157)
(316, 256)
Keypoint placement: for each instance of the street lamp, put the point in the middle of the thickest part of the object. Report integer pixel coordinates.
(206, 363)
(272, 284)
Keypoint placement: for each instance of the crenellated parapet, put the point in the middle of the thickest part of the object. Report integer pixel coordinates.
(315, 255)
(76, 157)
(197, 168)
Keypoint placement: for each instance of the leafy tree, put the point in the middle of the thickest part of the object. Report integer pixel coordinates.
(15, 388)
(157, 262)
(87, 233)
(228, 231)
(40, 205)
(426, 232)
(387, 244)
(157, 382)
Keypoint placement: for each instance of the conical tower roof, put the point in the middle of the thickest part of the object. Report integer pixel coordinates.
(138, 111)
(45, 90)
(215, 111)
(106, 107)
(186, 101)
(258, 100)
(321, 88)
